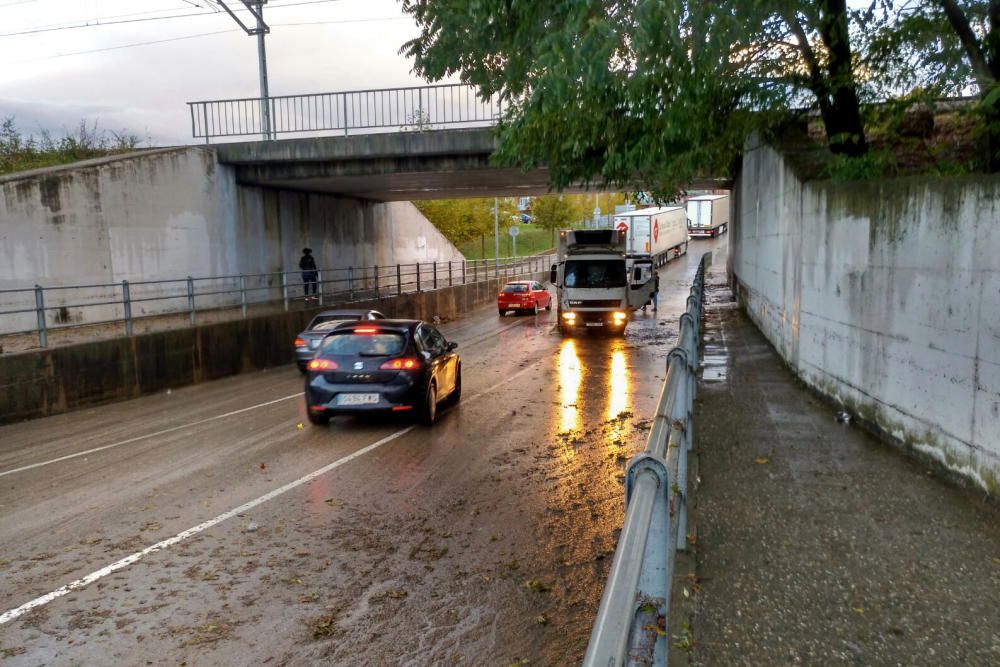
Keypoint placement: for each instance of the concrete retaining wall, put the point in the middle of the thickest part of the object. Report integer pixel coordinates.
(884, 296)
(172, 213)
(56, 380)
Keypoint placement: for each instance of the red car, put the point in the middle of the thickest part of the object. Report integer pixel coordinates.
(523, 296)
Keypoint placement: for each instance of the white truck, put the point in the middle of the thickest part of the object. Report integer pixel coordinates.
(596, 287)
(659, 234)
(708, 215)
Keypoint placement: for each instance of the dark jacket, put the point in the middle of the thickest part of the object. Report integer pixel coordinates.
(307, 263)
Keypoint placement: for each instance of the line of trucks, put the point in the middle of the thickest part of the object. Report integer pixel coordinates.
(603, 275)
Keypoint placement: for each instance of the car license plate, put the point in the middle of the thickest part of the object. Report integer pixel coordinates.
(313, 344)
(357, 399)
(595, 324)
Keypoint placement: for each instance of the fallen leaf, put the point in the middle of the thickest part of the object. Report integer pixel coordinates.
(299, 426)
(263, 466)
(860, 610)
(760, 460)
(542, 619)
(538, 586)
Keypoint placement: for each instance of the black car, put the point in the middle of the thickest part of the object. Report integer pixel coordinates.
(307, 341)
(382, 366)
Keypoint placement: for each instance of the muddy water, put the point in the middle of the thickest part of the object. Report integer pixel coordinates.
(483, 540)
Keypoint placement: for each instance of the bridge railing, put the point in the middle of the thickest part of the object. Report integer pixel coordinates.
(359, 111)
(633, 623)
(129, 306)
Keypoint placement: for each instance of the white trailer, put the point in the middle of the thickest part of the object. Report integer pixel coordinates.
(656, 234)
(708, 215)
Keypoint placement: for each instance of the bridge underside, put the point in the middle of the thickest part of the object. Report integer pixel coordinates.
(406, 166)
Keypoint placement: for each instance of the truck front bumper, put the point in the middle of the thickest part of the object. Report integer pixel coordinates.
(579, 320)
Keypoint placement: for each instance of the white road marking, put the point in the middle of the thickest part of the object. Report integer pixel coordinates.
(13, 614)
(148, 435)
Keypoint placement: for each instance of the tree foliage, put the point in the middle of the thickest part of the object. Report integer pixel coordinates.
(651, 94)
(461, 220)
(19, 152)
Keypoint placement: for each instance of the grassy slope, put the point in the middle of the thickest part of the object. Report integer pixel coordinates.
(531, 241)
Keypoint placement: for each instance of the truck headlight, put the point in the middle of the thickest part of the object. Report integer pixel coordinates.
(619, 317)
(569, 317)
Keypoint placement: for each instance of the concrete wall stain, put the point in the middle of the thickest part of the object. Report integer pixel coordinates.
(48, 192)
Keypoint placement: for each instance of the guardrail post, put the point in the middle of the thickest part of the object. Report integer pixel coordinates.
(190, 291)
(435, 283)
(343, 107)
(243, 296)
(399, 280)
(464, 264)
(350, 283)
(418, 276)
(450, 283)
(319, 285)
(204, 114)
(284, 289)
(127, 305)
(43, 336)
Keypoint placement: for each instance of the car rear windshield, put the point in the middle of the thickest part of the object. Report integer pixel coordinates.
(515, 288)
(364, 344)
(329, 321)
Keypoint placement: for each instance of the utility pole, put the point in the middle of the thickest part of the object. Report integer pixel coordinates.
(256, 8)
(496, 228)
(265, 104)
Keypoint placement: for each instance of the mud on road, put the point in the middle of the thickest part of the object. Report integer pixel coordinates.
(483, 540)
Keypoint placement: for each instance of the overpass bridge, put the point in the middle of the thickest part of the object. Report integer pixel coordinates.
(398, 144)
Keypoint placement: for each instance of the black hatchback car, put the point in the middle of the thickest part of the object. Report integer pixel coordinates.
(382, 366)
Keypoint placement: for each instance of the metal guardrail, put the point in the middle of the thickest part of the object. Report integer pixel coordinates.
(332, 286)
(632, 625)
(415, 108)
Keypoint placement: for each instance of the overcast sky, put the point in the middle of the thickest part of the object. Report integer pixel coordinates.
(49, 81)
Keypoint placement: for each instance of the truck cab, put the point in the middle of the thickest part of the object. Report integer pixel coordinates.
(598, 286)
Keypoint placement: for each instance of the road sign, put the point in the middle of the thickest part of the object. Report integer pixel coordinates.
(514, 231)
(656, 231)
(622, 226)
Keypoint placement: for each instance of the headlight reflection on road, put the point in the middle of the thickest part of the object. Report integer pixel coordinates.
(570, 378)
(618, 381)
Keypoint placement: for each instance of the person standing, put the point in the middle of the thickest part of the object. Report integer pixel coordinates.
(309, 274)
(656, 287)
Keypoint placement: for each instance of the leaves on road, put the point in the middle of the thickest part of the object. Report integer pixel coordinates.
(537, 586)
(761, 460)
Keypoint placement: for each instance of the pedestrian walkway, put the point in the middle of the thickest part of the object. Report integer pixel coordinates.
(816, 543)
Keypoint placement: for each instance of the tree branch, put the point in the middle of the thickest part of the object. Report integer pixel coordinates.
(973, 49)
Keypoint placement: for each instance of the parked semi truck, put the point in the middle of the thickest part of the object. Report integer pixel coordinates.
(658, 234)
(598, 287)
(708, 215)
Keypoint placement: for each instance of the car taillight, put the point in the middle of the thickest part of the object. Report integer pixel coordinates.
(406, 364)
(300, 342)
(323, 365)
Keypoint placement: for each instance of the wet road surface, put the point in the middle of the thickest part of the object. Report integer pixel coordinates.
(205, 526)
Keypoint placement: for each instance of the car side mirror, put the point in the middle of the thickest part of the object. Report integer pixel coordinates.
(553, 274)
(451, 346)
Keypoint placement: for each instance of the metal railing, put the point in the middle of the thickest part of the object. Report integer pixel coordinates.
(632, 625)
(56, 307)
(414, 108)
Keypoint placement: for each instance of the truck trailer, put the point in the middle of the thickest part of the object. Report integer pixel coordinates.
(597, 288)
(708, 215)
(657, 234)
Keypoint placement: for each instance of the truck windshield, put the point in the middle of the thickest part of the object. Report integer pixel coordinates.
(595, 273)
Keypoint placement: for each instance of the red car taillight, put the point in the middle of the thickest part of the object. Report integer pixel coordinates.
(406, 364)
(323, 365)
(300, 342)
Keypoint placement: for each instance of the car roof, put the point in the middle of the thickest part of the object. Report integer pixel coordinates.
(345, 313)
(394, 325)
(520, 282)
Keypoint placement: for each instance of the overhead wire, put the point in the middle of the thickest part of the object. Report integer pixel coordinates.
(123, 18)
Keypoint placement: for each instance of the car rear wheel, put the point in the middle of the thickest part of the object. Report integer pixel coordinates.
(317, 419)
(502, 312)
(428, 411)
(548, 306)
